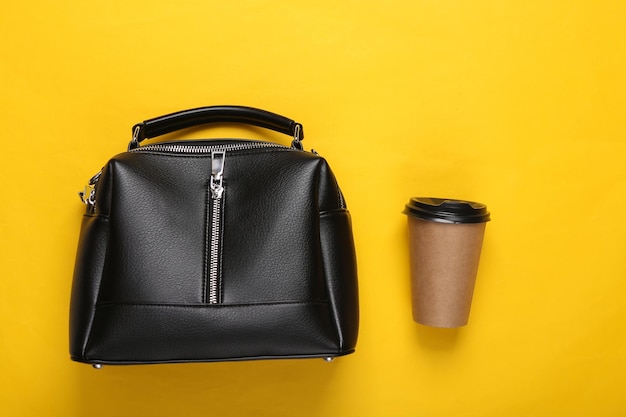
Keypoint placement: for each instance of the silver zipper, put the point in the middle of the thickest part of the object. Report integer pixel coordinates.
(206, 149)
(214, 223)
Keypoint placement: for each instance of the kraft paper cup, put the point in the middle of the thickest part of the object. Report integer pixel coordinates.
(445, 241)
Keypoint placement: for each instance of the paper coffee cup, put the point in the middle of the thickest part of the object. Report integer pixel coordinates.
(445, 241)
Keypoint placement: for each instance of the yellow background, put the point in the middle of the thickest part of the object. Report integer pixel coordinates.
(517, 104)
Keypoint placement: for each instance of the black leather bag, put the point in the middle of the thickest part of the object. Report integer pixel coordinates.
(214, 250)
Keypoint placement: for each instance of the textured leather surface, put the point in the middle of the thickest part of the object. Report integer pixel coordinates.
(288, 280)
(175, 333)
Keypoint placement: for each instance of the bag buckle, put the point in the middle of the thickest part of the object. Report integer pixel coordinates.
(88, 195)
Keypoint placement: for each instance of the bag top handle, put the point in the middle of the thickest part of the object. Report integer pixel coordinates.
(216, 114)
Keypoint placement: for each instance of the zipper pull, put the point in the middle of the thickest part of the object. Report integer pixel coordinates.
(217, 172)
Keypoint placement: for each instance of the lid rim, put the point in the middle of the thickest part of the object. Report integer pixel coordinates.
(447, 210)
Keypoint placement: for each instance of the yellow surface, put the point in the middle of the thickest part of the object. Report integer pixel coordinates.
(518, 104)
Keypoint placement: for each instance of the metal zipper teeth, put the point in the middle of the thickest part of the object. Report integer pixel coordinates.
(206, 149)
(214, 250)
(214, 221)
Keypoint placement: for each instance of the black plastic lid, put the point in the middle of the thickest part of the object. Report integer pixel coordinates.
(446, 210)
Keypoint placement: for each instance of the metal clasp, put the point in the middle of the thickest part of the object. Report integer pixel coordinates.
(88, 195)
(217, 173)
(134, 143)
(297, 137)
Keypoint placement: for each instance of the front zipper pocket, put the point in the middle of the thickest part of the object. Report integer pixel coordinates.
(215, 192)
(213, 233)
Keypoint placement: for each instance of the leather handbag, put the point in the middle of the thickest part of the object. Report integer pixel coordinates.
(214, 250)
